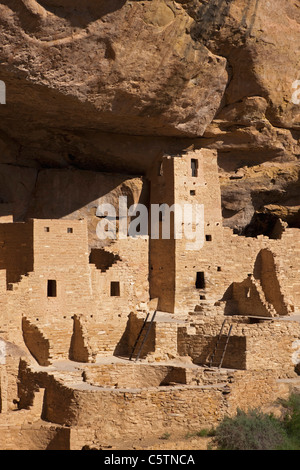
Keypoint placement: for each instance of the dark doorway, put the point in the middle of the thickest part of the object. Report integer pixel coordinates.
(51, 290)
(200, 280)
(115, 289)
(194, 165)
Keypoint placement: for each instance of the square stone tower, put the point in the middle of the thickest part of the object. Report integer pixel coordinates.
(180, 264)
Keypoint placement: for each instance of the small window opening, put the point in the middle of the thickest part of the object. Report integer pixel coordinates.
(193, 192)
(115, 289)
(47, 229)
(200, 280)
(69, 230)
(52, 291)
(219, 268)
(194, 166)
(208, 238)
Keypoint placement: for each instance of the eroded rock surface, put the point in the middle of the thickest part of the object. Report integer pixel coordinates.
(112, 86)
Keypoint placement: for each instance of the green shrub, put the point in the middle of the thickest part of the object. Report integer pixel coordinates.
(259, 431)
(250, 431)
(205, 433)
(291, 422)
(165, 436)
(202, 433)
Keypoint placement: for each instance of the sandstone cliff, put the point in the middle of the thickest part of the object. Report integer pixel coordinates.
(102, 86)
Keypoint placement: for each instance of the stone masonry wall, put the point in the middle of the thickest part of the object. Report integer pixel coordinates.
(176, 409)
(225, 258)
(259, 347)
(82, 303)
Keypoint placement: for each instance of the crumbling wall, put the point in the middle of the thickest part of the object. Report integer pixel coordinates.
(133, 375)
(37, 344)
(265, 346)
(176, 409)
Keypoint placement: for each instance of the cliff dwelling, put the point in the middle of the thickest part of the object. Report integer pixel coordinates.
(160, 113)
(80, 326)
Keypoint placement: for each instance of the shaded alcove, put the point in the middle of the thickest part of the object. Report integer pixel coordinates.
(201, 348)
(78, 350)
(127, 341)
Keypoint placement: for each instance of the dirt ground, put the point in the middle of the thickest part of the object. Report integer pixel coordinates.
(166, 442)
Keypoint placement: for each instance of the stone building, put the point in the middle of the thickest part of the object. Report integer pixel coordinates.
(229, 274)
(72, 317)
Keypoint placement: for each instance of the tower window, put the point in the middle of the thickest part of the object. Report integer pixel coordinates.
(193, 192)
(200, 280)
(51, 290)
(47, 229)
(115, 289)
(208, 238)
(69, 230)
(194, 166)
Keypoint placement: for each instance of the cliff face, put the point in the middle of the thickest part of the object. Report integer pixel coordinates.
(256, 130)
(112, 86)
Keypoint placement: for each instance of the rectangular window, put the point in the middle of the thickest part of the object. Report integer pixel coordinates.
(70, 230)
(208, 238)
(115, 289)
(47, 229)
(194, 166)
(200, 281)
(51, 290)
